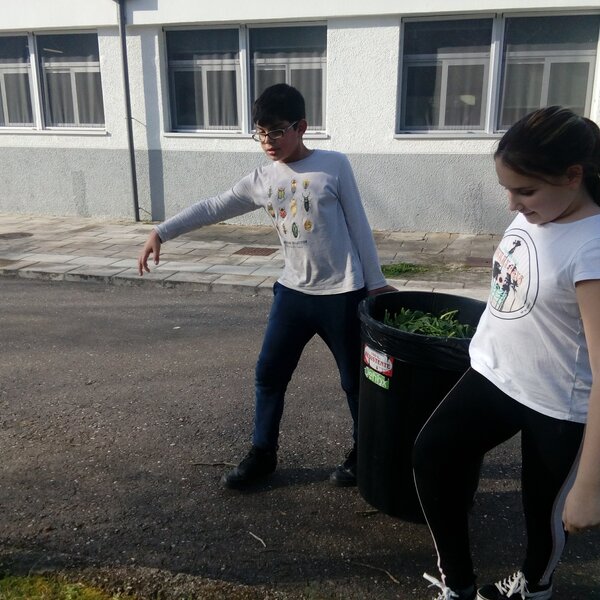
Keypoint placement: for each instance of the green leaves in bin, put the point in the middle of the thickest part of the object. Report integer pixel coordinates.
(416, 321)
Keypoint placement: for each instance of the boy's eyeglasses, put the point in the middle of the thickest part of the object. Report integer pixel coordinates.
(274, 134)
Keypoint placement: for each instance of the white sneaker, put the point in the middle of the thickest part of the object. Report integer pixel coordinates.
(514, 587)
(446, 593)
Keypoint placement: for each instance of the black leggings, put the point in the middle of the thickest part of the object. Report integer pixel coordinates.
(474, 418)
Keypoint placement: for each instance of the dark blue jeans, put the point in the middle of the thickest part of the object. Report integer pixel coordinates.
(294, 319)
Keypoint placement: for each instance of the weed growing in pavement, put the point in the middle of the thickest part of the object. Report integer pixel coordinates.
(402, 268)
(38, 587)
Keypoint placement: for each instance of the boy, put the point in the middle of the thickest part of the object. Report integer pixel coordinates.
(330, 264)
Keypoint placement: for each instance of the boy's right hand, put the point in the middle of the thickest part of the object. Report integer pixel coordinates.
(152, 246)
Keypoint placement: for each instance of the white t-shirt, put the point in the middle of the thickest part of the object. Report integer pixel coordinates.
(530, 341)
(315, 206)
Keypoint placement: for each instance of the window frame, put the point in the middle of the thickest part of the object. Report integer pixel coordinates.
(205, 66)
(548, 60)
(17, 69)
(72, 68)
(494, 86)
(304, 63)
(38, 83)
(445, 62)
(244, 81)
(202, 67)
(10, 70)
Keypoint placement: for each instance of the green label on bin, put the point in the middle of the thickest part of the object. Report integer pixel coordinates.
(377, 378)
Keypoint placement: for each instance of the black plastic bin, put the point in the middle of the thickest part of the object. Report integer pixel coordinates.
(404, 377)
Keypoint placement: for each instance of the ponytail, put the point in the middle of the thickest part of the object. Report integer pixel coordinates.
(591, 174)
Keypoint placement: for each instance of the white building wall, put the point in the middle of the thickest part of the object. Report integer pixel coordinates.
(395, 175)
(161, 12)
(410, 182)
(57, 14)
(70, 172)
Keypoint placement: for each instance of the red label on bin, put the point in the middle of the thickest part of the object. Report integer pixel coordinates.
(378, 361)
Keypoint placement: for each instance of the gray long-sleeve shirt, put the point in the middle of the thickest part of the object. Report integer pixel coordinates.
(316, 208)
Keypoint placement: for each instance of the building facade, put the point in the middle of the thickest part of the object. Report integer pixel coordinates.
(136, 109)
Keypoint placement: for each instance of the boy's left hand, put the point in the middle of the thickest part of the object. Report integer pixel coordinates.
(382, 290)
(152, 246)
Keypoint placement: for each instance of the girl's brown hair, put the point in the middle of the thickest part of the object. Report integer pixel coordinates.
(548, 141)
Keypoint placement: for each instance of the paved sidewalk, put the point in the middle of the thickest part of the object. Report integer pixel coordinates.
(219, 257)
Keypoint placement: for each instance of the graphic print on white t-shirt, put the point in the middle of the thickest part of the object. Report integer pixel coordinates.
(515, 276)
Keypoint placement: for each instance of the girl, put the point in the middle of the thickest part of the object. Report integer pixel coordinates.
(535, 364)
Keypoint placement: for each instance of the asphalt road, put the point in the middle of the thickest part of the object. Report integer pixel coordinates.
(118, 408)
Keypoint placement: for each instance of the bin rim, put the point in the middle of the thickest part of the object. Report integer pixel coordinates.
(365, 317)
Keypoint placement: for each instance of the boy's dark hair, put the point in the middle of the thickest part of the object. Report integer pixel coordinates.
(546, 142)
(279, 102)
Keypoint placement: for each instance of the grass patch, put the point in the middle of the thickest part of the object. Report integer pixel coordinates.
(38, 587)
(402, 268)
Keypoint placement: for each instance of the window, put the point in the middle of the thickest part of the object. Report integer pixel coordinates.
(296, 56)
(70, 72)
(15, 82)
(204, 78)
(448, 68)
(215, 74)
(65, 83)
(547, 60)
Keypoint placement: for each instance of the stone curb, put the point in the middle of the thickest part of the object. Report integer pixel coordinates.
(220, 283)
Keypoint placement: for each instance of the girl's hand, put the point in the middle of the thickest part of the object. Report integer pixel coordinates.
(152, 246)
(582, 509)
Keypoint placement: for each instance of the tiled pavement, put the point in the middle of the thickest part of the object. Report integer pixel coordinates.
(219, 257)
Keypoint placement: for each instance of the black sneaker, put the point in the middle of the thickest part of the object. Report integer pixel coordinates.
(447, 594)
(258, 464)
(514, 587)
(345, 474)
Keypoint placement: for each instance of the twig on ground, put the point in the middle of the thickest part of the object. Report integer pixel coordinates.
(367, 513)
(379, 569)
(257, 538)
